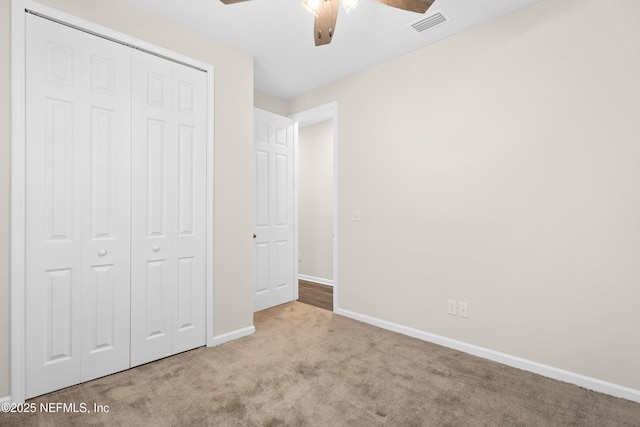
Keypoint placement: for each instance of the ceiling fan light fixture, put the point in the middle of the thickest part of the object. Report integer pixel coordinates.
(312, 6)
(350, 5)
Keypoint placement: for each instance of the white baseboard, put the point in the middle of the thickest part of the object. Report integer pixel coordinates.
(583, 381)
(315, 279)
(6, 399)
(230, 336)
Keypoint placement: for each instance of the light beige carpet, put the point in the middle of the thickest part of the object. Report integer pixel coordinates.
(308, 367)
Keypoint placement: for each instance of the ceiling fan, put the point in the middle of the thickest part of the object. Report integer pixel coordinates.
(326, 13)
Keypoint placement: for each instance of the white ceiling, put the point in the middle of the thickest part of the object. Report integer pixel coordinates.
(279, 35)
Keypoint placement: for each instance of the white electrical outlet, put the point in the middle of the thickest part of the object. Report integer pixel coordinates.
(355, 215)
(463, 309)
(452, 307)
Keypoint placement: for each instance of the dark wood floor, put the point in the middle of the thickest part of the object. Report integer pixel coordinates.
(315, 294)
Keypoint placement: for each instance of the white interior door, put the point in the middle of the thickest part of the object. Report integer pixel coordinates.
(168, 208)
(274, 254)
(77, 213)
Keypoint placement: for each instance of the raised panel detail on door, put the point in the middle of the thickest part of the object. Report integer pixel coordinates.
(60, 63)
(158, 87)
(282, 190)
(187, 181)
(282, 135)
(102, 209)
(262, 188)
(186, 97)
(58, 318)
(156, 302)
(103, 300)
(186, 289)
(262, 261)
(274, 228)
(284, 254)
(103, 73)
(157, 141)
(59, 151)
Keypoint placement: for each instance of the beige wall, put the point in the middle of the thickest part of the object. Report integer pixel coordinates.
(315, 200)
(271, 103)
(5, 152)
(233, 117)
(501, 167)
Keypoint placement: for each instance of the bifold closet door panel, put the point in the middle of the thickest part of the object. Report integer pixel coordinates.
(77, 136)
(106, 196)
(168, 208)
(53, 206)
(153, 213)
(190, 117)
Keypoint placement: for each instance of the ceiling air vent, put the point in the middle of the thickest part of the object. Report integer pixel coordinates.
(428, 22)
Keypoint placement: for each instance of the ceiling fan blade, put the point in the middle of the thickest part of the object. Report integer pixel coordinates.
(325, 23)
(232, 1)
(419, 6)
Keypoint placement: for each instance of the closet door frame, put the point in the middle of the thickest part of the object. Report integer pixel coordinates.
(19, 10)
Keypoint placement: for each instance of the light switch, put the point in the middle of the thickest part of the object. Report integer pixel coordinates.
(355, 215)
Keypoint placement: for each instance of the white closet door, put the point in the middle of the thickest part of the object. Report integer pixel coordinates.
(168, 196)
(106, 196)
(115, 222)
(77, 138)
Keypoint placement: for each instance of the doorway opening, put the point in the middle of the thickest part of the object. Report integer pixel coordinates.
(317, 205)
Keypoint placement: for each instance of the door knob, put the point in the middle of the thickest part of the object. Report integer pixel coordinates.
(156, 248)
(254, 235)
(102, 252)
